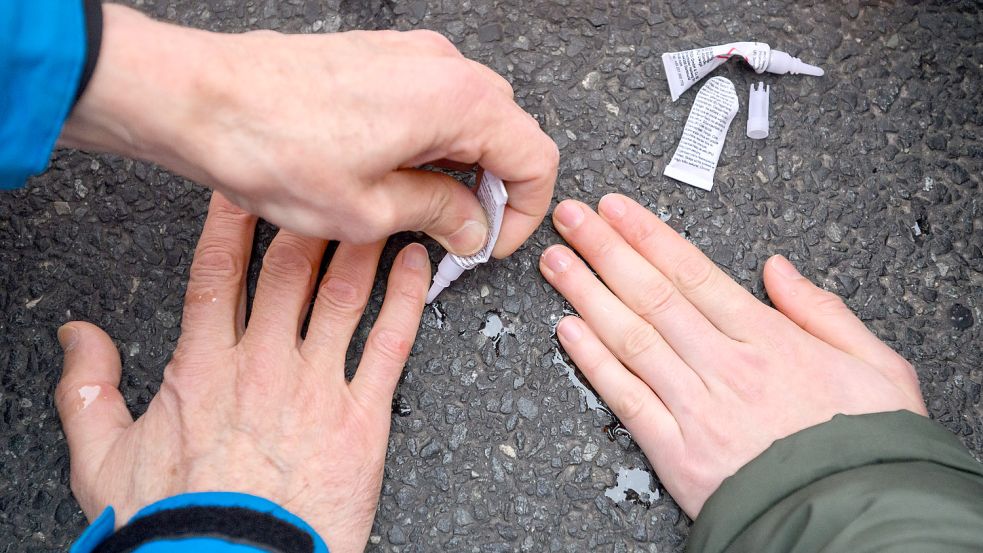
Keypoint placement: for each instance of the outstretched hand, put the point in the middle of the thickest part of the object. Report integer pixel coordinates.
(703, 374)
(320, 134)
(251, 407)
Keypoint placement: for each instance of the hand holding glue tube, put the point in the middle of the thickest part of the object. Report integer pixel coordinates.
(683, 69)
(492, 196)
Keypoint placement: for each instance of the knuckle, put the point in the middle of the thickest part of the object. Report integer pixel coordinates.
(216, 262)
(375, 220)
(549, 161)
(630, 404)
(745, 373)
(692, 475)
(719, 438)
(907, 372)
(72, 397)
(342, 293)
(827, 303)
(407, 293)
(604, 247)
(468, 84)
(907, 368)
(468, 147)
(829, 300)
(593, 367)
(64, 396)
(693, 273)
(390, 345)
(185, 367)
(552, 154)
(434, 40)
(656, 298)
(287, 260)
(638, 340)
(438, 206)
(225, 211)
(510, 92)
(642, 231)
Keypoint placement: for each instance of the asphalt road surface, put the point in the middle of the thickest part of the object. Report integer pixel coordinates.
(870, 182)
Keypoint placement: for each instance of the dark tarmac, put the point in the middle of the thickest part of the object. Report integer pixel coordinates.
(869, 182)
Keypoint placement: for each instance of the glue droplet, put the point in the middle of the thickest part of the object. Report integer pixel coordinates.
(88, 394)
(634, 485)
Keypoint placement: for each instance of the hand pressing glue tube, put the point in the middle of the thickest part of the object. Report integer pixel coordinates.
(492, 197)
(683, 69)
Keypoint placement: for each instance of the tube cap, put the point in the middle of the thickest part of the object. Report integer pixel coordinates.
(757, 111)
(782, 63)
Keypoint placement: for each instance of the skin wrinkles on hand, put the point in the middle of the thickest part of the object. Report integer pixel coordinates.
(305, 148)
(696, 368)
(694, 365)
(261, 411)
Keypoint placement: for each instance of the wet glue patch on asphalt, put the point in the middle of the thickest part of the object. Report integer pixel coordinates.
(635, 485)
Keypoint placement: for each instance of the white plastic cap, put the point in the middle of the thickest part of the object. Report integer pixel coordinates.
(757, 111)
(782, 63)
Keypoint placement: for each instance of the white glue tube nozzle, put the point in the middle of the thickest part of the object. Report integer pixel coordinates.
(492, 196)
(757, 111)
(447, 272)
(782, 63)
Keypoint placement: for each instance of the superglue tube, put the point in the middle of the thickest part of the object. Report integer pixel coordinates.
(492, 196)
(695, 159)
(684, 69)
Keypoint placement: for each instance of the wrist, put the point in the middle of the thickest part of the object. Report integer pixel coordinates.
(144, 98)
(210, 520)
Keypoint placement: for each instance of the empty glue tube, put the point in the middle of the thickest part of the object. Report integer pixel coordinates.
(695, 159)
(492, 196)
(683, 69)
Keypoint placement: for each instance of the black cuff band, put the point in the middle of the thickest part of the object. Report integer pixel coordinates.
(231, 524)
(92, 10)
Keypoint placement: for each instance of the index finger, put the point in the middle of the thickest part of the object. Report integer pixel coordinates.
(526, 159)
(724, 302)
(213, 302)
(513, 147)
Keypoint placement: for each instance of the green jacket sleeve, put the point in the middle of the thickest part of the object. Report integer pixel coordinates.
(885, 483)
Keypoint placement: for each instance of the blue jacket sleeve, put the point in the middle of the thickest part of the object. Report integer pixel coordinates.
(41, 64)
(214, 522)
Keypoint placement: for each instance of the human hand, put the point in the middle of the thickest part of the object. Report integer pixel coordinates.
(320, 134)
(704, 375)
(252, 408)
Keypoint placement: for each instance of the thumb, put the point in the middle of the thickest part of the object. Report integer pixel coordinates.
(824, 315)
(438, 205)
(92, 411)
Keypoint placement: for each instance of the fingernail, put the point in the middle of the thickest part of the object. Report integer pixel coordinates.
(612, 207)
(68, 337)
(415, 257)
(569, 329)
(557, 259)
(784, 268)
(469, 238)
(569, 214)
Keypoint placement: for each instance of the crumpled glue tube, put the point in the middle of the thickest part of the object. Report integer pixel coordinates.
(492, 196)
(683, 69)
(695, 160)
